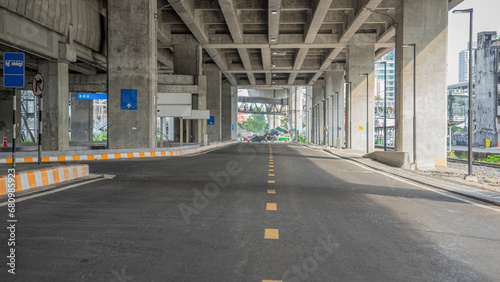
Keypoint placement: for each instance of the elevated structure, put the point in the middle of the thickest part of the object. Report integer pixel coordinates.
(127, 47)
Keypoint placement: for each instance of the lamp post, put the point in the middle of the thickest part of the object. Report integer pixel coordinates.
(349, 145)
(367, 114)
(414, 45)
(469, 153)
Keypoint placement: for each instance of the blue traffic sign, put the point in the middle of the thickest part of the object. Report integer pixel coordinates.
(13, 70)
(92, 96)
(129, 99)
(211, 120)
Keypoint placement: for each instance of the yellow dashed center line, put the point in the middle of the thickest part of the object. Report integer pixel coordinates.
(271, 191)
(270, 181)
(271, 174)
(271, 169)
(271, 165)
(271, 206)
(271, 234)
(272, 281)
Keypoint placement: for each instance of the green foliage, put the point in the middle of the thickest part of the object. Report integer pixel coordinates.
(103, 136)
(492, 159)
(255, 123)
(26, 141)
(302, 139)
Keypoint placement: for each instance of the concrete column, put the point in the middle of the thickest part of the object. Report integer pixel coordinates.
(188, 128)
(181, 131)
(318, 96)
(214, 101)
(162, 130)
(6, 126)
(334, 80)
(226, 110)
(55, 106)
(425, 24)
(361, 60)
(132, 65)
(309, 119)
(82, 116)
(234, 113)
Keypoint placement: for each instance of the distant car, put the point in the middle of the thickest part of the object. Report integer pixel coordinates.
(285, 137)
(257, 139)
(246, 138)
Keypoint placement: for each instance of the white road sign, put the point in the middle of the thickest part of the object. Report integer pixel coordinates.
(38, 84)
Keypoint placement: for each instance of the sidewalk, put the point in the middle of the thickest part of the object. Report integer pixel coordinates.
(464, 188)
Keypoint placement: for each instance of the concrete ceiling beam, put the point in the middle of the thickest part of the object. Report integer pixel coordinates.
(191, 20)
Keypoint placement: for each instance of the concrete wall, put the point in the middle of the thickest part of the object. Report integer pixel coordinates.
(486, 89)
(132, 65)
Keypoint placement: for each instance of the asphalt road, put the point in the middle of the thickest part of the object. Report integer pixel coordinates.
(227, 215)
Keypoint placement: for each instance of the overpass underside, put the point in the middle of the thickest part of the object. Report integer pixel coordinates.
(320, 54)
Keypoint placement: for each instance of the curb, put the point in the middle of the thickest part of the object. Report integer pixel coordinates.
(166, 153)
(37, 178)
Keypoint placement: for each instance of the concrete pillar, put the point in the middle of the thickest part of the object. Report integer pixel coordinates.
(318, 97)
(486, 89)
(214, 101)
(309, 112)
(361, 60)
(425, 24)
(234, 113)
(55, 106)
(226, 110)
(132, 66)
(334, 84)
(188, 129)
(6, 126)
(82, 116)
(181, 131)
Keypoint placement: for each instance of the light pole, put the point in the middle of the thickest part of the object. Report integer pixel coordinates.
(385, 105)
(349, 145)
(414, 45)
(469, 153)
(367, 114)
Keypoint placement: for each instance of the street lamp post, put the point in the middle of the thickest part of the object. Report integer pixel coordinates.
(367, 114)
(414, 45)
(469, 153)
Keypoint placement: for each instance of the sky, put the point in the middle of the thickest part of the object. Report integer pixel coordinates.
(486, 18)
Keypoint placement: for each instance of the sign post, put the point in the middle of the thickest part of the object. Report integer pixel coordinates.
(38, 85)
(13, 77)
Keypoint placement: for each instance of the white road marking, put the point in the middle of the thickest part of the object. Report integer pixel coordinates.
(432, 189)
(36, 195)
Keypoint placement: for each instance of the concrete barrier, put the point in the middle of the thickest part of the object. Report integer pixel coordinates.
(395, 159)
(42, 177)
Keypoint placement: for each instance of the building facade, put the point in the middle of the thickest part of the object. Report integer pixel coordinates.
(389, 60)
(463, 65)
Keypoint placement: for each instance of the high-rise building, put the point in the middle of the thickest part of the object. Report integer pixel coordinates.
(463, 65)
(389, 59)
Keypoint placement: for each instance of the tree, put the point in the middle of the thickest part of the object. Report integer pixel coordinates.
(255, 123)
